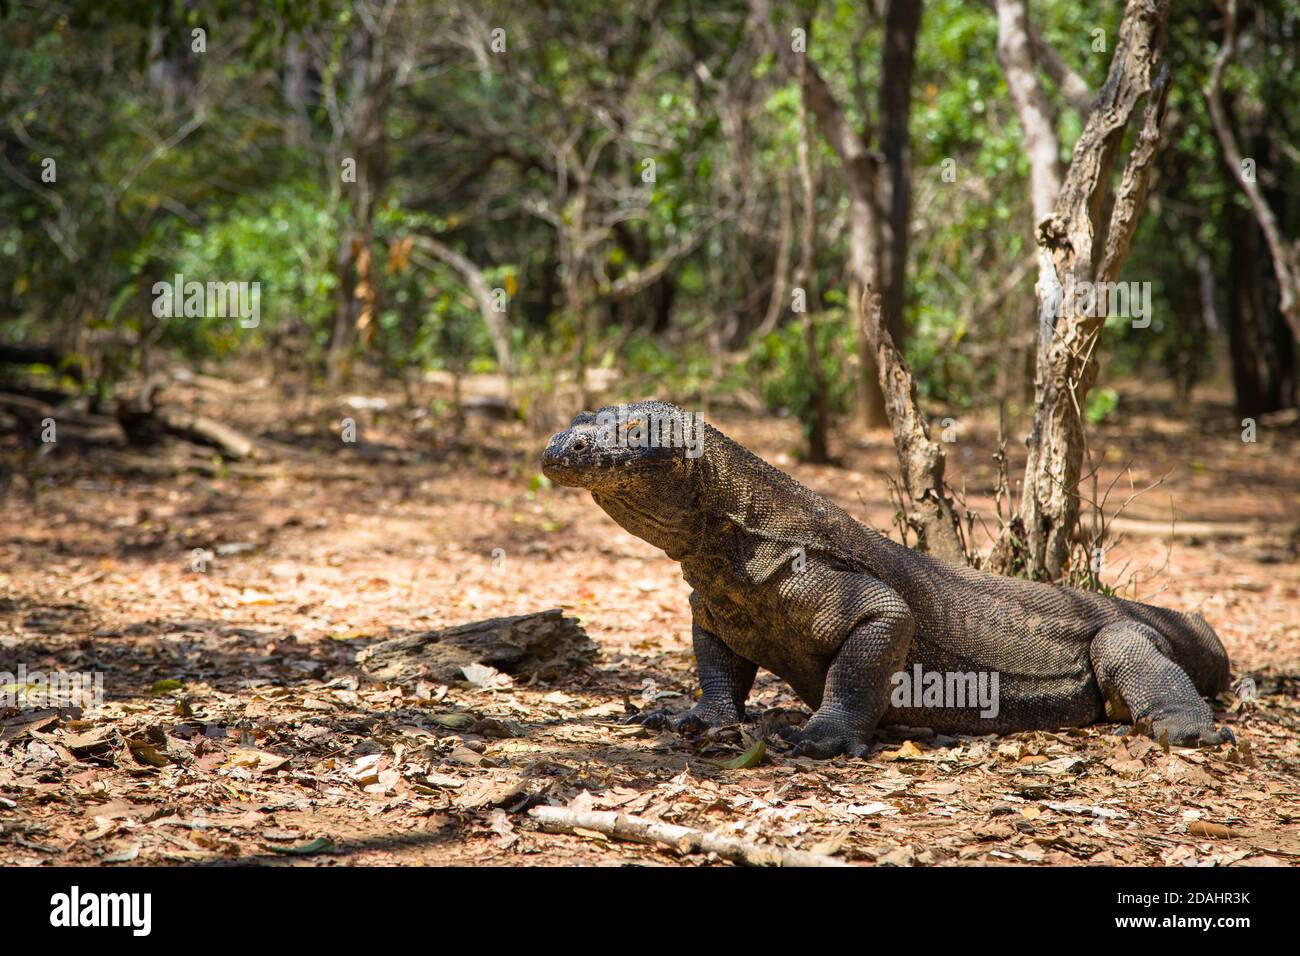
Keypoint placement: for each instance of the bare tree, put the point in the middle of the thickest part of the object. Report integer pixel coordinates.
(1084, 240)
(818, 419)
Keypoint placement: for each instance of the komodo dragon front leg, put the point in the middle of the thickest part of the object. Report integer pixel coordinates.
(725, 681)
(1135, 672)
(856, 691)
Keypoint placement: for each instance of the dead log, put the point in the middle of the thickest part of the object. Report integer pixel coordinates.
(683, 839)
(202, 430)
(27, 414)
(545, 643)
(145, 422)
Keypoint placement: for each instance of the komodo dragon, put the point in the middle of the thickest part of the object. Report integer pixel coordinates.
(786, 580)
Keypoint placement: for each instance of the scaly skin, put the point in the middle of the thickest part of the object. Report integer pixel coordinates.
(788, 581)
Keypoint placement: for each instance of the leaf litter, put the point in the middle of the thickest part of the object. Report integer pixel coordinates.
(237, 725)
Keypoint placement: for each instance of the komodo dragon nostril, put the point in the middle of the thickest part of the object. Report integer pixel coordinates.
(579, 445)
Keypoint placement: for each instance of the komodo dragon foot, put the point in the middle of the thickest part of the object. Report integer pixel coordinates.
(824, 741)
(1140, 682)
(700, 718)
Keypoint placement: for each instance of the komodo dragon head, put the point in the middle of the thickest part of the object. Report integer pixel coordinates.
(626, 449)
(641, 462)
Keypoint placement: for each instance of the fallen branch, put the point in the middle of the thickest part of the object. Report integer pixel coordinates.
(145, 422)
(202, 430)
(683, 839)
(146, 428)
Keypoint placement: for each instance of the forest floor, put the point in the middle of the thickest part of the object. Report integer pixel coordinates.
(237, 728)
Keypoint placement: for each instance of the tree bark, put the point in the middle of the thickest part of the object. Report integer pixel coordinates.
(898, 60)
(1080, 243)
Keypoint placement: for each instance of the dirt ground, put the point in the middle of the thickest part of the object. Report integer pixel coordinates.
(238, 729)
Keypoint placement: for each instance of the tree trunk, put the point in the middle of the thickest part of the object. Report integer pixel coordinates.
(1285, 255)
(898, 59)
(860, 168)
(1034, 112)
(817, 415)
(864, 270)
(1262, 351)
(1080, 243)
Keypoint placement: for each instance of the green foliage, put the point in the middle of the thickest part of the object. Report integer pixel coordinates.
(1101, 403)
(217, 166)
(284, 239)
(781, 364)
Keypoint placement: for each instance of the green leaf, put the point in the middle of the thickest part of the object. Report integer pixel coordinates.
(165, 686)
(750, 758)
